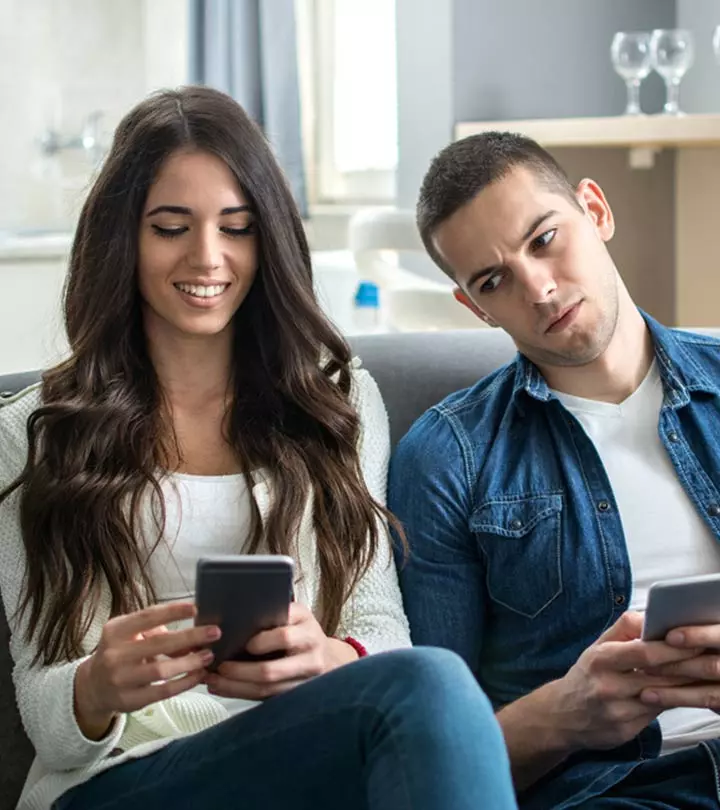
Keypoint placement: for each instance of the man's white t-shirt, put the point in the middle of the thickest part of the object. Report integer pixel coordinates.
(665, 536)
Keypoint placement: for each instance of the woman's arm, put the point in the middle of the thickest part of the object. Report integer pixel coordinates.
(45, 694)
(374, 614)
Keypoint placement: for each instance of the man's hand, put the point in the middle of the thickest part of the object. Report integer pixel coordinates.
(701, 673)
(595, 705)
(598, 705)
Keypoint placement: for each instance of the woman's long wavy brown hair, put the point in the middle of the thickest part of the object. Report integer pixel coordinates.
(94, 450)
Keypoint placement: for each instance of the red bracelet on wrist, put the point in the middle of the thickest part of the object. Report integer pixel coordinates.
(356, 645)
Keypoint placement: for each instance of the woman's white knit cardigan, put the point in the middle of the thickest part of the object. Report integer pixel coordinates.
(374, 615)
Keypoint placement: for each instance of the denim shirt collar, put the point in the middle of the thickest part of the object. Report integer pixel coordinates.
(679, 371)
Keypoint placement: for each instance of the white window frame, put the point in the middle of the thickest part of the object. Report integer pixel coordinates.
(326, 184)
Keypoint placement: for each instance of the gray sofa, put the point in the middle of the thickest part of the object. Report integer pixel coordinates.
(414, 371)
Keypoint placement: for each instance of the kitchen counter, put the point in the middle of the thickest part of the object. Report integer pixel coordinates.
(35, 246)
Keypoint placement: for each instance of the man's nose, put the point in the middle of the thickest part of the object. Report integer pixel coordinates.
(538, 282)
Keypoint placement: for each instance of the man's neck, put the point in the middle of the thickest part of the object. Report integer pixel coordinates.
(619, 370)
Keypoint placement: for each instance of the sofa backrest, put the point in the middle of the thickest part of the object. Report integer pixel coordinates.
(416, 370)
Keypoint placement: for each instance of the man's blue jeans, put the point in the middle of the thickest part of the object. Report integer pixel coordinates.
(685, 780)
(405, 730)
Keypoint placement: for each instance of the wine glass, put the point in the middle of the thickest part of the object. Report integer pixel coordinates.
(673, 52)
(631, 58)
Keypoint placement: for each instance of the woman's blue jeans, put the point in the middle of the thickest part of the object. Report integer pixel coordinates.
(405, 730)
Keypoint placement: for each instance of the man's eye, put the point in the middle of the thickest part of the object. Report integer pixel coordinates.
(544, 239)
(491, 283)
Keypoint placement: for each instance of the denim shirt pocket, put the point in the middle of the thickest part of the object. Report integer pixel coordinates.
(520, 539)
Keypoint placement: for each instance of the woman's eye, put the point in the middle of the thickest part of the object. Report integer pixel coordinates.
(169, 233)
(544, 239)
(239, 231)
(491, 283)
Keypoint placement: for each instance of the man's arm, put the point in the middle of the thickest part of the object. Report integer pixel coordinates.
(442, 582)
(443, 575)
(596, 705)
(535, 745)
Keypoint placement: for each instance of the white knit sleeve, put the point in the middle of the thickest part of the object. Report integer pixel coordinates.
(374, 614)
(45, 694)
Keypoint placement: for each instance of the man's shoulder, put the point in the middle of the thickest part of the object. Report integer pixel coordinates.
(699, 354)
(465, 413)
(699, 339)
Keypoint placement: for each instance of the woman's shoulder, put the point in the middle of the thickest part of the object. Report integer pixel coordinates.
(14, 414)
(367, 400)
(364, 391)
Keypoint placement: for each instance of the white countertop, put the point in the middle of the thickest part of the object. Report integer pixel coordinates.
(28, 246)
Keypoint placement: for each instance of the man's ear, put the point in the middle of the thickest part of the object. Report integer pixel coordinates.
(592, 200)
(472, 306)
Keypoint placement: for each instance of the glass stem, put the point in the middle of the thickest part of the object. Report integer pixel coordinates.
(633, 97)
(673, 92)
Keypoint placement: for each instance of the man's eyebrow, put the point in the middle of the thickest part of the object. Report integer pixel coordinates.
(493, 268)
(537, 223)
(181, 209)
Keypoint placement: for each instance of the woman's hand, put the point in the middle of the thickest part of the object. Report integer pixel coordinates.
(139, 661)
(308, 652)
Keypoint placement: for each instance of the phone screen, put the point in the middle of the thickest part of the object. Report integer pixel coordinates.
(243, 595)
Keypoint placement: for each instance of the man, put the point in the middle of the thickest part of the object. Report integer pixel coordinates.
(541, 503)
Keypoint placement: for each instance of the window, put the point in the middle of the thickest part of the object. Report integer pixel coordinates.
(346, 50)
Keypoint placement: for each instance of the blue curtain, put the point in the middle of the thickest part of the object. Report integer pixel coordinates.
(248, 49)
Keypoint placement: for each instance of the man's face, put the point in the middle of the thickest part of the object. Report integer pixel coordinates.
(527, 259)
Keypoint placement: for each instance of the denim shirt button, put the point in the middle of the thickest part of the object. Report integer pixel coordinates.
(516, 523)
(603, 506)
(619, 599)
(673, 437)
(713, 510)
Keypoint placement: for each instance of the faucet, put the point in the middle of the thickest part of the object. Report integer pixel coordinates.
(51, 142)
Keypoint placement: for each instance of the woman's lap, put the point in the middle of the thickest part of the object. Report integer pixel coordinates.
(340, 740)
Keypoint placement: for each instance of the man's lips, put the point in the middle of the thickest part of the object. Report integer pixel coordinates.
(563, 319)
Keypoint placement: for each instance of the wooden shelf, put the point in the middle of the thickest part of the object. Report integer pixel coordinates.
(647, 131)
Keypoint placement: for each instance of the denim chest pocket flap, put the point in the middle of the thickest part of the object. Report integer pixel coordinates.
(520, 540)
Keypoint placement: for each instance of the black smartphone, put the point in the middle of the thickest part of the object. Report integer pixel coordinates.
(243, 594)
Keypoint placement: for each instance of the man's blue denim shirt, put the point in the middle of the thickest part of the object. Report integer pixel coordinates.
(518, 560)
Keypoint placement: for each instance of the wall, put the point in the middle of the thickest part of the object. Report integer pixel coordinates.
(519, 59)
(700, 88)
(482, 60)
(425, 101)
(59, 61)
(425, 89)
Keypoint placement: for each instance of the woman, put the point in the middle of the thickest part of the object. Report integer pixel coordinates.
(208, 406)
